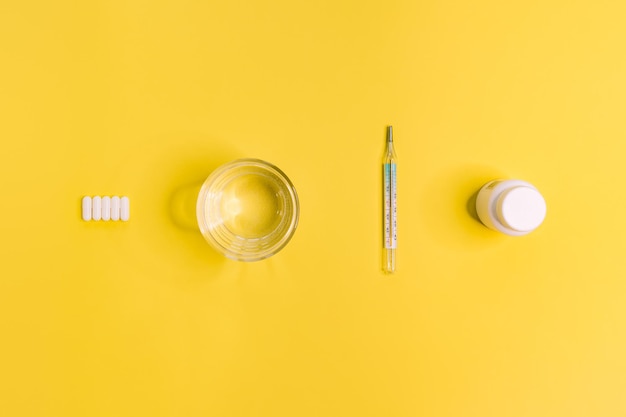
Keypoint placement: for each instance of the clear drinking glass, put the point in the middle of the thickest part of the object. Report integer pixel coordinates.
(248, 209)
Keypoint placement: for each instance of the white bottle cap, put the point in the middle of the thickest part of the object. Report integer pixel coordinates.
(522, 208)
(513, 207)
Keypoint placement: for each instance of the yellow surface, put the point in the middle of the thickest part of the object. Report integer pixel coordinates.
(145, 98)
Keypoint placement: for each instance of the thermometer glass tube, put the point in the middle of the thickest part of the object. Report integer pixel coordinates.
(390, 236)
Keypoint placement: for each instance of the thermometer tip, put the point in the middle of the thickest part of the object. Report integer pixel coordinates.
(390, 133)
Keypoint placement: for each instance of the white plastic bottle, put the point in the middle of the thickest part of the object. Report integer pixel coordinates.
(513, 207)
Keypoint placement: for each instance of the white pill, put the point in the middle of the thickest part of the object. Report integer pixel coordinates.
(115, 208)
(106, 208)
(96, 208)
(124, 208)
(86, 208)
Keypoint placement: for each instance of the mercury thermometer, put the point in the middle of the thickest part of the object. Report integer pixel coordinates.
(390, 202)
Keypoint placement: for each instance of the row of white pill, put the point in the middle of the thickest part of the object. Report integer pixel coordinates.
(106, 208)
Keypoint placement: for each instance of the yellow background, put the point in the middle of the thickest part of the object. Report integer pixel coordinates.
(145, 98)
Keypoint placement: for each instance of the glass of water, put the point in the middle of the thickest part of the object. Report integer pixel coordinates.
(248, 209)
